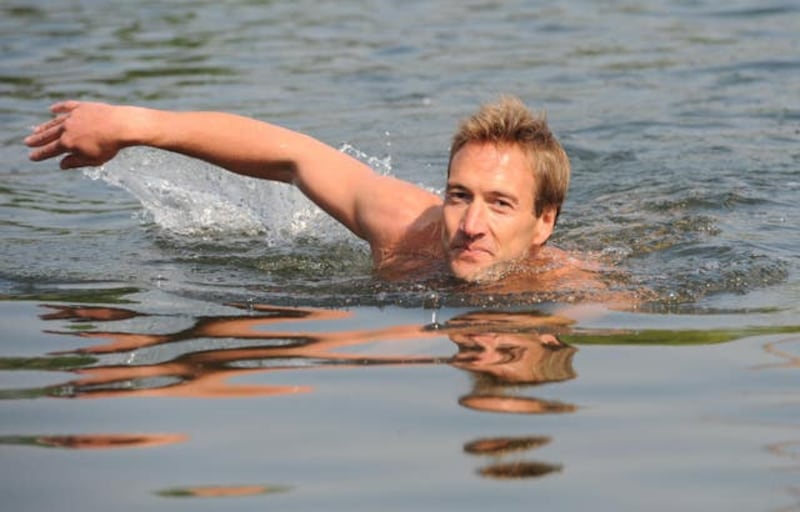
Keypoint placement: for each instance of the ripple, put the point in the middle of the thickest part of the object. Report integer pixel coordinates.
(221, 491)
(756, 12)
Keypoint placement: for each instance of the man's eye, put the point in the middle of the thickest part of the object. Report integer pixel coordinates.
(456, 196)
(503, 204)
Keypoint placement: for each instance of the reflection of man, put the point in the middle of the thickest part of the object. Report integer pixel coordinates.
(507, 179)
(96, 441)
(502, 350)
(514, 358)
(499, 448)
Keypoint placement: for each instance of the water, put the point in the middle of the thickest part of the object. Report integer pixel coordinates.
(130, 381)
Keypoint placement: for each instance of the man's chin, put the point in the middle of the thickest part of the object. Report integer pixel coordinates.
(474, 273)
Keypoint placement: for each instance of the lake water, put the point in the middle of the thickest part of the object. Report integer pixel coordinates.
(178, 338)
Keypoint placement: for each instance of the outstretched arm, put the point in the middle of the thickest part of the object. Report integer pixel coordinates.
(91, 134)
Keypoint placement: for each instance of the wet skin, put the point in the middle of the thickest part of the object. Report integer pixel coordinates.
(488, 216)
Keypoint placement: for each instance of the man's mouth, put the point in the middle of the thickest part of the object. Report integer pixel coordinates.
(471, 251)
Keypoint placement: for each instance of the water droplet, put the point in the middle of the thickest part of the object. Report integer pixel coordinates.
(431, 300)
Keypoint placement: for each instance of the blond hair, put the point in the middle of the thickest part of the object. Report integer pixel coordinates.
(508, 121)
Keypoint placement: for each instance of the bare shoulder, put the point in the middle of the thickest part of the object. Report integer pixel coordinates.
(569, 270)
(394, 209)
(566, 261)
(564, 276)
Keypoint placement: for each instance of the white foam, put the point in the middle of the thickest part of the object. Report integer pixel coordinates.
(189, 197)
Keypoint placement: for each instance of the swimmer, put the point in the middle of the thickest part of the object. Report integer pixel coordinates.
(507, 178)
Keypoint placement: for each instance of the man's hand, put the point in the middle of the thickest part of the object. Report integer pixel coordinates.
(89, 134)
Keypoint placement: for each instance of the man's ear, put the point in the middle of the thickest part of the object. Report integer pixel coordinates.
(545, 224)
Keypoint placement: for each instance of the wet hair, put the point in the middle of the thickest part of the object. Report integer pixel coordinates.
(508, 121)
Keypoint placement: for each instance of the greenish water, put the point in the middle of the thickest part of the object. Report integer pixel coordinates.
(174, 337)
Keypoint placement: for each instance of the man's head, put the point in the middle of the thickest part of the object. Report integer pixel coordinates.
(506, 181)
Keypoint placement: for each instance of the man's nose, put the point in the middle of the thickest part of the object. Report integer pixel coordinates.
(473, 223)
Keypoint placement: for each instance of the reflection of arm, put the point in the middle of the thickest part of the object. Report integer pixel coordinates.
(319, 344)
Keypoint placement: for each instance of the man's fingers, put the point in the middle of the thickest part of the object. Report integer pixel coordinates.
(49, 124)
(64, 107)
(47, 138)
(49, 150)
(61, 109)
(44, 136)
(46, 144)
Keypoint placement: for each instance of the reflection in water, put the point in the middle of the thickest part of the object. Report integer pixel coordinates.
(498, 349)
(504, 353)
(789, 360)
(785, 450)
(221, 491)
(501, 362)
(501, 448)
(84, 313)
(504, 445)
(519, 470)
(507, 355)
(95, 441)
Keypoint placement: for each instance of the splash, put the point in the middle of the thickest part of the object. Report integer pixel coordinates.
(190, 198)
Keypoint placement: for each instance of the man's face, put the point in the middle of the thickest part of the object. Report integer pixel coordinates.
(488, 213)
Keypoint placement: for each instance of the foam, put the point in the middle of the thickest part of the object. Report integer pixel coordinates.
(188, 197)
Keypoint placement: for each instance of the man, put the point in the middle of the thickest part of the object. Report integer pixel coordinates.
(507, 179)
